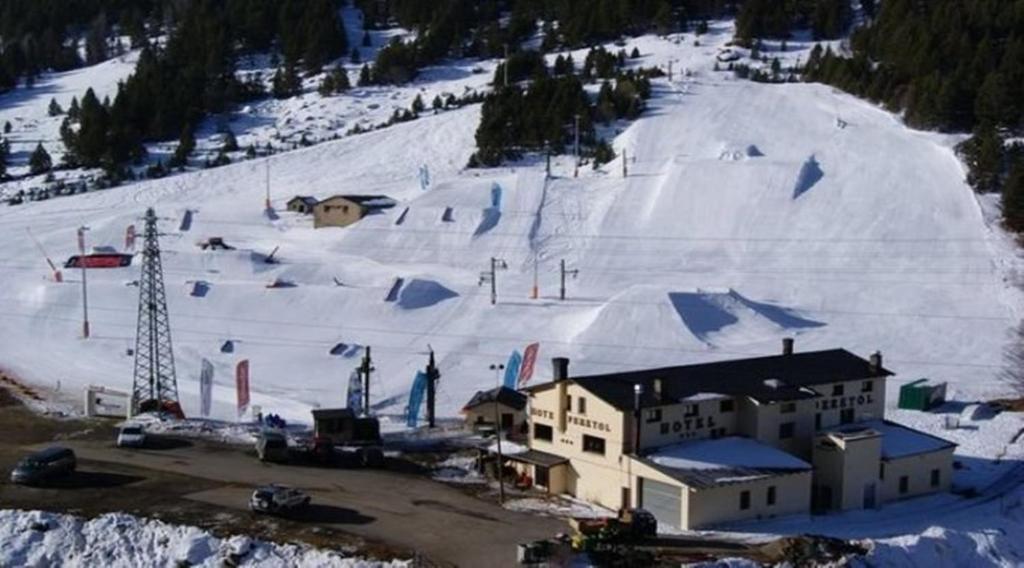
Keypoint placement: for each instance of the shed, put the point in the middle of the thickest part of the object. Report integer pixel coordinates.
(922, 394)
(510, 405)
(342, 426)
(343, 210)
(302, 204)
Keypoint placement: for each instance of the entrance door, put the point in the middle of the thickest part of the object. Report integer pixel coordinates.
(507, 420)
(664, 501)
(869, 496)
(540, 476)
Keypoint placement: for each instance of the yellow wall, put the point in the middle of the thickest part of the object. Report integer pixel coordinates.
(722, 503)
(336, 212)
(688, 421)
(918, 470)
(866, 405)
(849, 466)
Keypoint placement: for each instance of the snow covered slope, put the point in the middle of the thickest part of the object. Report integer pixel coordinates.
(750, 213)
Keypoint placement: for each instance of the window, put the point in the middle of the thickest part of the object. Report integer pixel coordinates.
(581, 405)
(507, 421)
(664, 427)
(846, 416)
(593, 444)
(817, 421)
(837, 390)
(867, 386)
(654, 415)
(540, 476)
(770, 498)
(725, 406)
(692, 410)
(568, 402)
(904, 484)
(787, 408)
(935, 478)
(786, 430)
(881, 470)
(744, 500)
(543, 432)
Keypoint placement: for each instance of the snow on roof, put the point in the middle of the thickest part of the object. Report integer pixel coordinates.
(899, 441)
(725, 453)
(697, 397)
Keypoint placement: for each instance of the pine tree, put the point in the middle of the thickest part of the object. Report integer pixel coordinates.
(983, 153)
(7, 127)
(230, 142)
(1013, 196)
(417, 104)
(367, 41)
(74, 110)
(40, 161)
(355, 58)
(436, 104)
(635, 54)
(364, 75)
(54, 108)
(4, 150)
(186, 144)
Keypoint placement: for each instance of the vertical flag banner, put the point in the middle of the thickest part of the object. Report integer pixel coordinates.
(512, 370)
(205, 389)
(529, 359)
(419, 388)
(242, 385)
(355, 392)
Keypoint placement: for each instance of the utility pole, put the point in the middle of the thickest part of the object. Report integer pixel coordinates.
(433, 375)
(506, 65)
(670, 70)
(535, 293)
(492, 277)
(547, 166)
(574, 272)
(267, 201)
(85, 287)
(576, 146)
(154, 386)
(625, 158)
(365, 368)
(638, 391)
(498, 368)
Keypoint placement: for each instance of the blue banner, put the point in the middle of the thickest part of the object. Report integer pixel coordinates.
(496, 196)
(512, 370)
(419, 389)
(355, 392)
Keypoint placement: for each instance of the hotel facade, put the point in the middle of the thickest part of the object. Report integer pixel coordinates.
(704, 444)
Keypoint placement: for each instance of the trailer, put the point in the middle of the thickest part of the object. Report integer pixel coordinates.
(99, 260)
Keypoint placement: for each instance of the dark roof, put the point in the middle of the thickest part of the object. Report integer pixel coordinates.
(308, 200)
(537, 457)
(768, 379)
(506, 396)
(368, 201)
(330, 413)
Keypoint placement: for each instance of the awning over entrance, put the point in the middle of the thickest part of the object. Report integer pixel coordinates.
(536, 457)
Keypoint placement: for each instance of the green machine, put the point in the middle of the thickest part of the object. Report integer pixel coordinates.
(922, 394)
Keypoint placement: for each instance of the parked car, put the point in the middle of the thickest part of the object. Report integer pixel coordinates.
(277, 499)
(272, 446)
(131, 436)
(42, 466)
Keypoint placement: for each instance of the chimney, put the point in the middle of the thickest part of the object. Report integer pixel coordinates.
(657, 390)
(787, 345)
(560, 368)
(875, 362)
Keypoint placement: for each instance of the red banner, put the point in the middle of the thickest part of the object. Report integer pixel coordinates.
(242, 385)
(129, 237)
(529, 359)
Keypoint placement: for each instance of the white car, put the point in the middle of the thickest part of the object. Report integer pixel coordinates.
(277, 499)
(131, 436)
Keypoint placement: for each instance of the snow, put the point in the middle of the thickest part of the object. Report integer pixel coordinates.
(749, 215)
(563, 506)
(723, 453)
(898, 441)
(115, 540)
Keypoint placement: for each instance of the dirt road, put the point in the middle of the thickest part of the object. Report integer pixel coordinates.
(383, 513)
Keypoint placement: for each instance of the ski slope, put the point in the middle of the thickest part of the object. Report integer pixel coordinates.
(750, 213)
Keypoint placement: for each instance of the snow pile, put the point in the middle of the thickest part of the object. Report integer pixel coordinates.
(458, 469)
(559, 507)
(37, 538)
(939, 547)
(725, 453)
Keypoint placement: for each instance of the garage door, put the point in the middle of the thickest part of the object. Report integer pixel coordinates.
(662, 500)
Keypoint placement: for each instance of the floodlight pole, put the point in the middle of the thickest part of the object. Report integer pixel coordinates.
(497, 368)
(85, 287)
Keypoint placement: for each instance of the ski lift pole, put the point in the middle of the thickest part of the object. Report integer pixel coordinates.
(85, 287)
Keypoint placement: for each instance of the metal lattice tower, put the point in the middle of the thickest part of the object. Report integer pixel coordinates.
(155, 386)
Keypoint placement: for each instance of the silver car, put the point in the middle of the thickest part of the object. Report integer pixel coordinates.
(277, 499)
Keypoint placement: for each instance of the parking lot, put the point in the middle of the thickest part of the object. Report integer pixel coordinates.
(382, 513)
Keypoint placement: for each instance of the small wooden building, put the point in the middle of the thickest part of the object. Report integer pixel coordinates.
(302, 204)
(511, 409)
(343, 210)
(341, 426)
